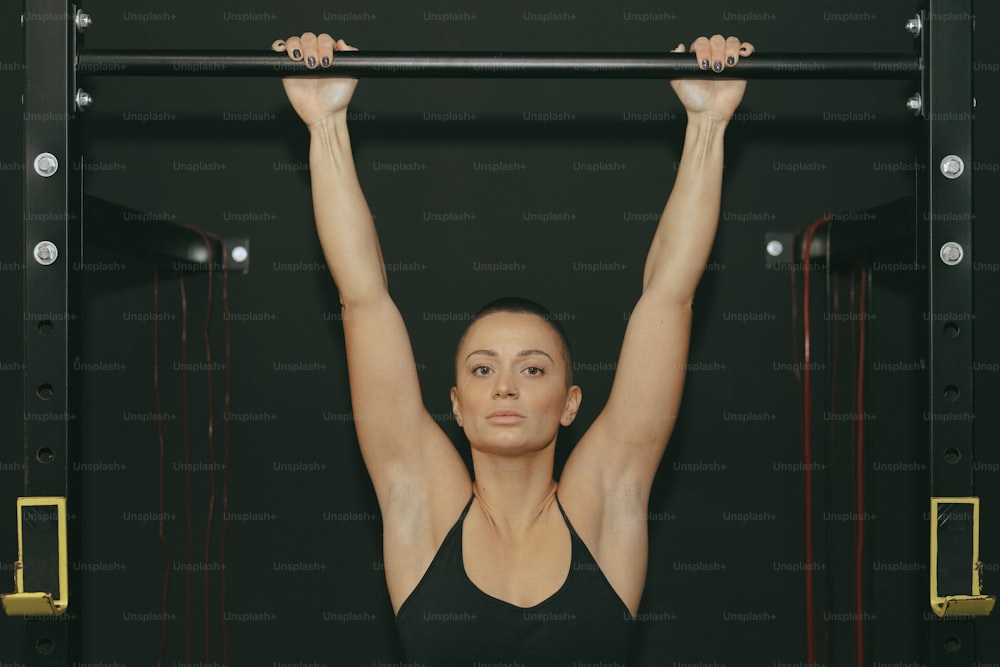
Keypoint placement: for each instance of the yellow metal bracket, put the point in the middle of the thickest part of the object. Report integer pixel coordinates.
(41, 573)
(956, 571)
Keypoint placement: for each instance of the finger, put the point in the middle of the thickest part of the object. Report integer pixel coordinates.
(702, 49)
(732, 51)
(278, 45)
(746, 49)
(680, 48)
(293, 46)
(310, 49)
(718, 49)
(344, 46)
(324, 49)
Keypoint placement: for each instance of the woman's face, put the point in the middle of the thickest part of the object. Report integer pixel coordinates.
(510, 394)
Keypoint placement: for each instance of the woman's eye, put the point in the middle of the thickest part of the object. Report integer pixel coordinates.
(481, 370)
(533, 370)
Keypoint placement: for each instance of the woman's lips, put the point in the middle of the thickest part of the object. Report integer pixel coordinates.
(505, 417)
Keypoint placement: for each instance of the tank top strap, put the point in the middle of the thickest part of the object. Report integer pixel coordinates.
(468, 505)
(569, 525)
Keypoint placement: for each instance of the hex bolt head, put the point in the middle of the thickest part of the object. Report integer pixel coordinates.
(952, 253)
(952, 166)
(82, 99)
(915, 104)
(46, 164)
(82, 20)
(46, 252)
(914, 26)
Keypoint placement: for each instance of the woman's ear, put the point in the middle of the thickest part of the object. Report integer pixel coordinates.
(456, 409)
(574, 397)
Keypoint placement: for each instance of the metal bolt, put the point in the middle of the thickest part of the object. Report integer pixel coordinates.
(46, 164)
(915, 104)
(82, 99)
(952, 166)
(239, 254)
(775, 248)
(82, 20)
(46, 253)
(951, 253)
(914, 26)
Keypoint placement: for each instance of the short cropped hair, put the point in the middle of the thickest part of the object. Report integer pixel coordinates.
(514, 304)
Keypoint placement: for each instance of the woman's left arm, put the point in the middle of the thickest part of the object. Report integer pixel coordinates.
(627, 440)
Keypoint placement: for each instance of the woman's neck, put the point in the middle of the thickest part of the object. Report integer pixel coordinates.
(514, 491)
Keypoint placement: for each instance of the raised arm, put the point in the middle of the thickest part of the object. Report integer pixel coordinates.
(621, 451)
(403, 448)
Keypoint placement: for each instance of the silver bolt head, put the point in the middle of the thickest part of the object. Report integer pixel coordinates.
(239, 254)
(46, 164)
(775, 248)
(83, 99)
(83, 21)
(45, 252)
(952, 166)
(952, 253)
(914, 25)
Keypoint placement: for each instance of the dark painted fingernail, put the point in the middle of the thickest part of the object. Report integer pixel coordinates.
(311, 61)
(326, 61)
(704, 64)
(730, 60)
(717, 66)
(296, 53)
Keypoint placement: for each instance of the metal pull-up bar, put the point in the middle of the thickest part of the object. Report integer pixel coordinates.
(482, 64)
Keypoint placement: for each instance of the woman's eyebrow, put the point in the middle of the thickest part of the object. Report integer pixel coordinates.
(488, 353)
(530, 353)
(522, 353)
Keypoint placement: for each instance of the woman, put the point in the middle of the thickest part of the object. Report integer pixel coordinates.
(502, 568)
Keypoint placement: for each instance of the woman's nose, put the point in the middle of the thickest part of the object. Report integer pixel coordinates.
(505, 386)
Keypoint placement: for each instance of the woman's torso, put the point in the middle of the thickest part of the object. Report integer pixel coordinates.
(545, 602)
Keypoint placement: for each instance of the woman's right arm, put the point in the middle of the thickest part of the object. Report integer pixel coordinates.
(403, 448)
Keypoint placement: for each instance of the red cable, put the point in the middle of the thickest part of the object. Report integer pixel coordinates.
(187, 473)
(807, 445)
(225, 447)
(211, 429)
(159, 429)
(831, 453)
(859, 546)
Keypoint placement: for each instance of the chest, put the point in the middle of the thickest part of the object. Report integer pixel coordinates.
(524, 573)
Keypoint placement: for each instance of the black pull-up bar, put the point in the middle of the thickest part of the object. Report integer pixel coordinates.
(483, 64)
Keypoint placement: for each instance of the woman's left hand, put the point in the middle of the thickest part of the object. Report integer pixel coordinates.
(718, 99)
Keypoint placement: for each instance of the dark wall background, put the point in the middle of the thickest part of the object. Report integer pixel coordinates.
(584, 177)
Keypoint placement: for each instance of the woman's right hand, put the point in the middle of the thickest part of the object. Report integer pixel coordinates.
(316, 98)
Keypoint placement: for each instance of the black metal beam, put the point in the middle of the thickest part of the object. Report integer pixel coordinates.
(51, 235)
(949, 210)
(850, 234)
(111, 225)
(479, 64)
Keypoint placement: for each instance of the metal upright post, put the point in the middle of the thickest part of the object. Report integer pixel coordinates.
(948, 107)
(52, 246)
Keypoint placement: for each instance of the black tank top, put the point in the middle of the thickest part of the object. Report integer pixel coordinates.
(447, 621)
